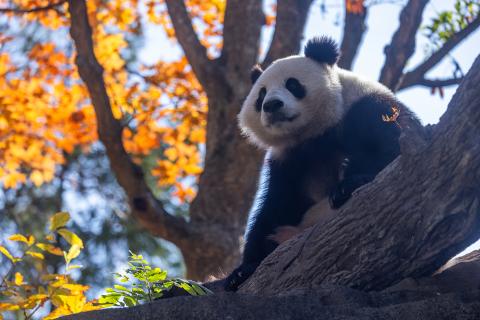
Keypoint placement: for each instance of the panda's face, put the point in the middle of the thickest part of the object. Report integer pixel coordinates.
(292, 100)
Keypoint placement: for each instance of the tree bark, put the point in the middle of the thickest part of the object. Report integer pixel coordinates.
(419, 212)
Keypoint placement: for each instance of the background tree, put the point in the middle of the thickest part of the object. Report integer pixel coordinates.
(166, 123)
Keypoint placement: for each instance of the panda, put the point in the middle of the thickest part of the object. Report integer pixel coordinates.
(327, 131)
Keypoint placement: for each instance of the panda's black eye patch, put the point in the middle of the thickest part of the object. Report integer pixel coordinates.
(261, 96)
(295, 88)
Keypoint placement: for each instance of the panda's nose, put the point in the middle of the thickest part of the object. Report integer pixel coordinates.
(272, 105)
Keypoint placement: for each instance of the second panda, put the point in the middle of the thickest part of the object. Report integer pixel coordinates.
(327, 132)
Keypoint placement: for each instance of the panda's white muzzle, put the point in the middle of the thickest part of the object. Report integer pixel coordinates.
(275, 111)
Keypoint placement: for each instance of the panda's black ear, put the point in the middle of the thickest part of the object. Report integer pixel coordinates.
(322, 49)
(255, 73)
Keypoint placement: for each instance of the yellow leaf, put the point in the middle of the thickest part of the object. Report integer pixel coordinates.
(37, 178)
(50, 237)
(8, 307)
(31, 240)
(50, 248)
(18, 237)
(18, 278)
(36, 255)
(72, 253)
(38, 298)
(71, 237)
(59, 220)
(8, 254)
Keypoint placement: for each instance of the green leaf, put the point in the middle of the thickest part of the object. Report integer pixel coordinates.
(74, 266)
(185, 286)
(119, 287)
(72, 253)
(59, 220)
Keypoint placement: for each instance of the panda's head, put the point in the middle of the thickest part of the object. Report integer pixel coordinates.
(295, 98)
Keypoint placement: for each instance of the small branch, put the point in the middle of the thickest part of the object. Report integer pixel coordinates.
(148, 210)
(353, 31)
(290, 22)
(402, 46)
(416, 75)
(431, 83)
(195, 52)
(32, 10)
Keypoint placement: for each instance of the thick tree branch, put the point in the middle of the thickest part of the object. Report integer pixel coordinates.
(402, 46)
(418, 213)
(353, 31)
(34, 9)
(195, 52)
(289, 25)
(415, 76)
(148, 210)
(241, 38)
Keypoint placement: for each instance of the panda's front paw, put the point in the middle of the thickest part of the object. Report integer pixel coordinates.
(238, 276)
(346, 187)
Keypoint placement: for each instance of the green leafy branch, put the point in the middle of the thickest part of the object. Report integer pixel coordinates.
(143, 283)
(448, 23)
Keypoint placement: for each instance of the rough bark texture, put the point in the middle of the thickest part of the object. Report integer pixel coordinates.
(453, 294)
(419, 212)
(210, 241)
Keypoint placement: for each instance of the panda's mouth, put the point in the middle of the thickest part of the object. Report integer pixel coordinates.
(278, 117)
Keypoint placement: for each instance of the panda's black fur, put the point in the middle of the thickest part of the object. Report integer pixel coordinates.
(344, 157)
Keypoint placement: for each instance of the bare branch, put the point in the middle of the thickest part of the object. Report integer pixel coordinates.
(415, 76)
(353, 31)
(195, 52)
(290, 22)
(402, 46)
(431, 83)
(148, 210)
(35, 9)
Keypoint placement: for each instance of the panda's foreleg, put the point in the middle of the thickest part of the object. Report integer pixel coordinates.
(277, 205)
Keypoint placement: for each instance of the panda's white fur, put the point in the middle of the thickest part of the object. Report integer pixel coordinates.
(330, 91)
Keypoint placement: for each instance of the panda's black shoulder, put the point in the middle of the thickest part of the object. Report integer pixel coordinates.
(373, 116)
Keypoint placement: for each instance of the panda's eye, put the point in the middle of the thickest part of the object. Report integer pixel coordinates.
(261, 96)
(295, 88)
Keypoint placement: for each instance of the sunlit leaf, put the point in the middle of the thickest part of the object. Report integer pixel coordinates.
(50, 248)
(59, 220)
(71, 237)
(72, 253)
(18, 279)
(36, 255)
(8, 254)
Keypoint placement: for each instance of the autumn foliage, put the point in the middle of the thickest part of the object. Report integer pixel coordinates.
(45, 111)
